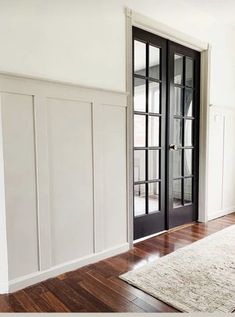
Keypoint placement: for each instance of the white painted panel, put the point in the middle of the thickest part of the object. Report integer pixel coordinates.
(71, 189)
(229, 159)
(20, 183)
(110, 176)
(216, 143)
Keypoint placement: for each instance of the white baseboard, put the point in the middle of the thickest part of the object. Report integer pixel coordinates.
(4, 288)
(221, 213)
(27, 280)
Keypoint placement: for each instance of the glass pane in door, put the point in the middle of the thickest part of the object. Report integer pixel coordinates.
(188, 107)
(153, 164)
(177, 163)
(188, 163)
(139, 58)
(153, 197)
(189, 72)
(178, 101)
(177, 193)
(139, 130)
(140, 94)
(188, 188)
(153, 131)
(154, 97)
(139, 165)
(188, 133)
(178, 69)
(178, 125)
(139, 200)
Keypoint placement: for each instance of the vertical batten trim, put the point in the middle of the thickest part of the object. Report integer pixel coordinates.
(93, 175)
(223, 160)
(36, 183)
(42, 179)
(4, 265)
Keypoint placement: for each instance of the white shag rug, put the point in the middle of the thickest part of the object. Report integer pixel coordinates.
(197, 278)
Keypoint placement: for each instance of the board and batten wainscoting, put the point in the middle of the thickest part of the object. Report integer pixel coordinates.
(63, 178)
(221, 181)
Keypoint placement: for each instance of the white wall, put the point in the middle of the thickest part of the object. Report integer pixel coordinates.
(83, 42)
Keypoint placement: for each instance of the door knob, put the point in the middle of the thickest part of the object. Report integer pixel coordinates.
(173, 147)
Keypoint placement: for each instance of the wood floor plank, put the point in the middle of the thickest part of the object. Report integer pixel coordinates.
(160, 306)
(36, 293)
(145, 306)
(90, 301)
(110, 298)
(106, 269)
(26, 302)
(65, 294)
(98, 288)
(15, 305)
(112, 286)
(4, 304)
(55, 303)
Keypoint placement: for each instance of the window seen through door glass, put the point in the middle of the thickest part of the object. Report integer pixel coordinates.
(178, 69)
(154, 62)
(189, 72)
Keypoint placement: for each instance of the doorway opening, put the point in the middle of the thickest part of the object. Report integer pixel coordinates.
(166, 107)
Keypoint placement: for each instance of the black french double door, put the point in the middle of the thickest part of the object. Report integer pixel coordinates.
(166, 86)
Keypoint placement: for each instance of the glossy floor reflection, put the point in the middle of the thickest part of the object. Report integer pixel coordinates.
(97, 288)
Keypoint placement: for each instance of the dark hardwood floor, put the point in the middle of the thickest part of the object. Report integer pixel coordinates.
(97, 288)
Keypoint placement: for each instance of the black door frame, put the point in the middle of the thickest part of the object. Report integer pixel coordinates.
(166, 99)
(153, 221)
(141, 21)
(178, 216)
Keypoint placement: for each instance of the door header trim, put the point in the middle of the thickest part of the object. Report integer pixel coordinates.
(165, 31)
